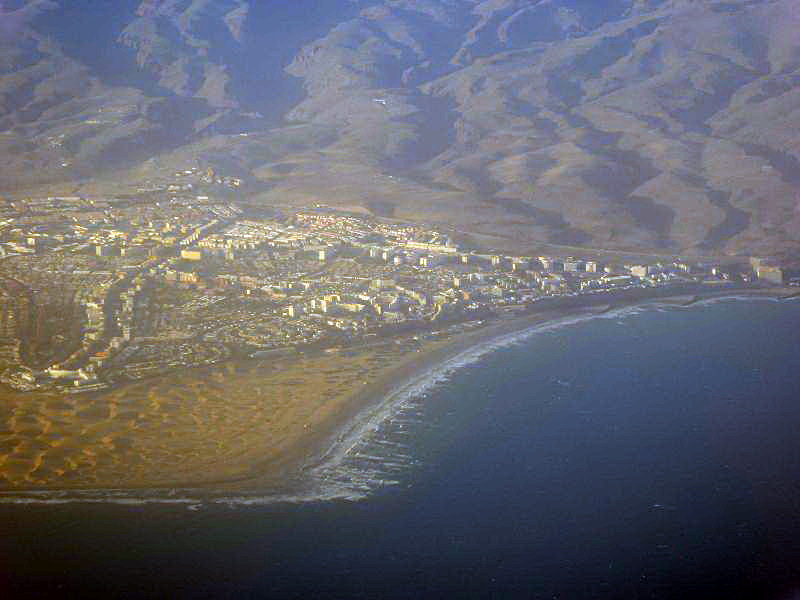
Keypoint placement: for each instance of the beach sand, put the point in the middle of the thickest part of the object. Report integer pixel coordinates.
(198, 426)
(256, 424)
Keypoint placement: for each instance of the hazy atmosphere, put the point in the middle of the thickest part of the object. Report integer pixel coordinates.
(627, 124)
(402, 298)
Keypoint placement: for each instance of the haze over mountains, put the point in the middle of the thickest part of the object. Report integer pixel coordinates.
(668, 125)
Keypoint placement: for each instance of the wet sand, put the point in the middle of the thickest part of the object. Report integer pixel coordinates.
(240, 426)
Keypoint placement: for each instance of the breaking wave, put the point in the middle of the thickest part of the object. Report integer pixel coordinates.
(376, 452)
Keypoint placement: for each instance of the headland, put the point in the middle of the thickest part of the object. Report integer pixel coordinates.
(267, 427)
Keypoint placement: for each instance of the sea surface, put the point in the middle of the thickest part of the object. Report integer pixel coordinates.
(645, 453)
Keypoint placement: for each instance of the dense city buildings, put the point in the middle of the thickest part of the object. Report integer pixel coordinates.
(97, 291)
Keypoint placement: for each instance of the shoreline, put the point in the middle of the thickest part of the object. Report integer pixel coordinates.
(287, 476)
(381, 394)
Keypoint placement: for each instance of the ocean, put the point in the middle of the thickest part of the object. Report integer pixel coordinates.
(645, 453)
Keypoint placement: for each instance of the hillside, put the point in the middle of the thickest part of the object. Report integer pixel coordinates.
(661, 125)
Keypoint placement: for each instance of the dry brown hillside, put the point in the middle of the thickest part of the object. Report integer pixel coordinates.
(666, 125)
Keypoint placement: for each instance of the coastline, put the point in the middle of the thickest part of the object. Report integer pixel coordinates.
(286, 476)
(379, 395)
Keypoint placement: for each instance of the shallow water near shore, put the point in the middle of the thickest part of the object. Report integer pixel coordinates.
(649, 452)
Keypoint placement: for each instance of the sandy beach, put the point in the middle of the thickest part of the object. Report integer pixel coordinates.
(251, 425)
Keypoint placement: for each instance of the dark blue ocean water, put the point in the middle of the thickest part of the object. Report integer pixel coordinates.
(651, 454)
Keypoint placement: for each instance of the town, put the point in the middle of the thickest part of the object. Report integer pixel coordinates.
(99, 291)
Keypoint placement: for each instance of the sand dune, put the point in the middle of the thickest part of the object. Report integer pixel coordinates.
(196, 426)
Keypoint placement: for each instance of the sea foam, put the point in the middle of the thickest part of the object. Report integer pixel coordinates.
(376, 451)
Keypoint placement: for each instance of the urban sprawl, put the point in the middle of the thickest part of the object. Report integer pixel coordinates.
(94, 292)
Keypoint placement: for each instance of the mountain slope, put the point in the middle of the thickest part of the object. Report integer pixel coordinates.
(649, 124)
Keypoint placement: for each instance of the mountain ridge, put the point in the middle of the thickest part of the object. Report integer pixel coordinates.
(660, 125)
